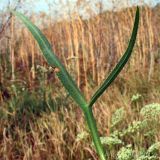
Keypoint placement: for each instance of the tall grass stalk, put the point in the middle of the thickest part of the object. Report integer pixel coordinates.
(69, 83)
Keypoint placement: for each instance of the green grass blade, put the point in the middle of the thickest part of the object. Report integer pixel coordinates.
(120, 64)
(53, 61)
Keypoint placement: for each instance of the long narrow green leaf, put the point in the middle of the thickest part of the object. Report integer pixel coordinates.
(120, 64)
(53, 61)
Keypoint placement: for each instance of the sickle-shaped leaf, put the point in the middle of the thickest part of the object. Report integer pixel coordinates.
(120, 64)
(52, 59)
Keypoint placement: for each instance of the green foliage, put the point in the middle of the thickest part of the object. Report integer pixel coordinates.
(42, 69)
(151, 153)
(82, 136)
(24, 101)
(134, 127)
(151, 111)
(118, 117)
(143, 157)
(136, 97)
(146, 127)
(110, 141)
(125, 153)
(154, 148)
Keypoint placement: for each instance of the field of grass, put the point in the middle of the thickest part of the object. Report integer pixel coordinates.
(39, 120)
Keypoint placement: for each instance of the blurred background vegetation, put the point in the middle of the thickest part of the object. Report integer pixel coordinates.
(38, 119)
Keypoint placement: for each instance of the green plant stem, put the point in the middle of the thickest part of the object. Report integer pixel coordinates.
(94, 132)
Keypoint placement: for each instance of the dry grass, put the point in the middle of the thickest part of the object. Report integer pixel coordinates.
(89, 49)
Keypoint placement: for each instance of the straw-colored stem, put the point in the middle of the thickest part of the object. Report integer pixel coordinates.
(12, 48)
